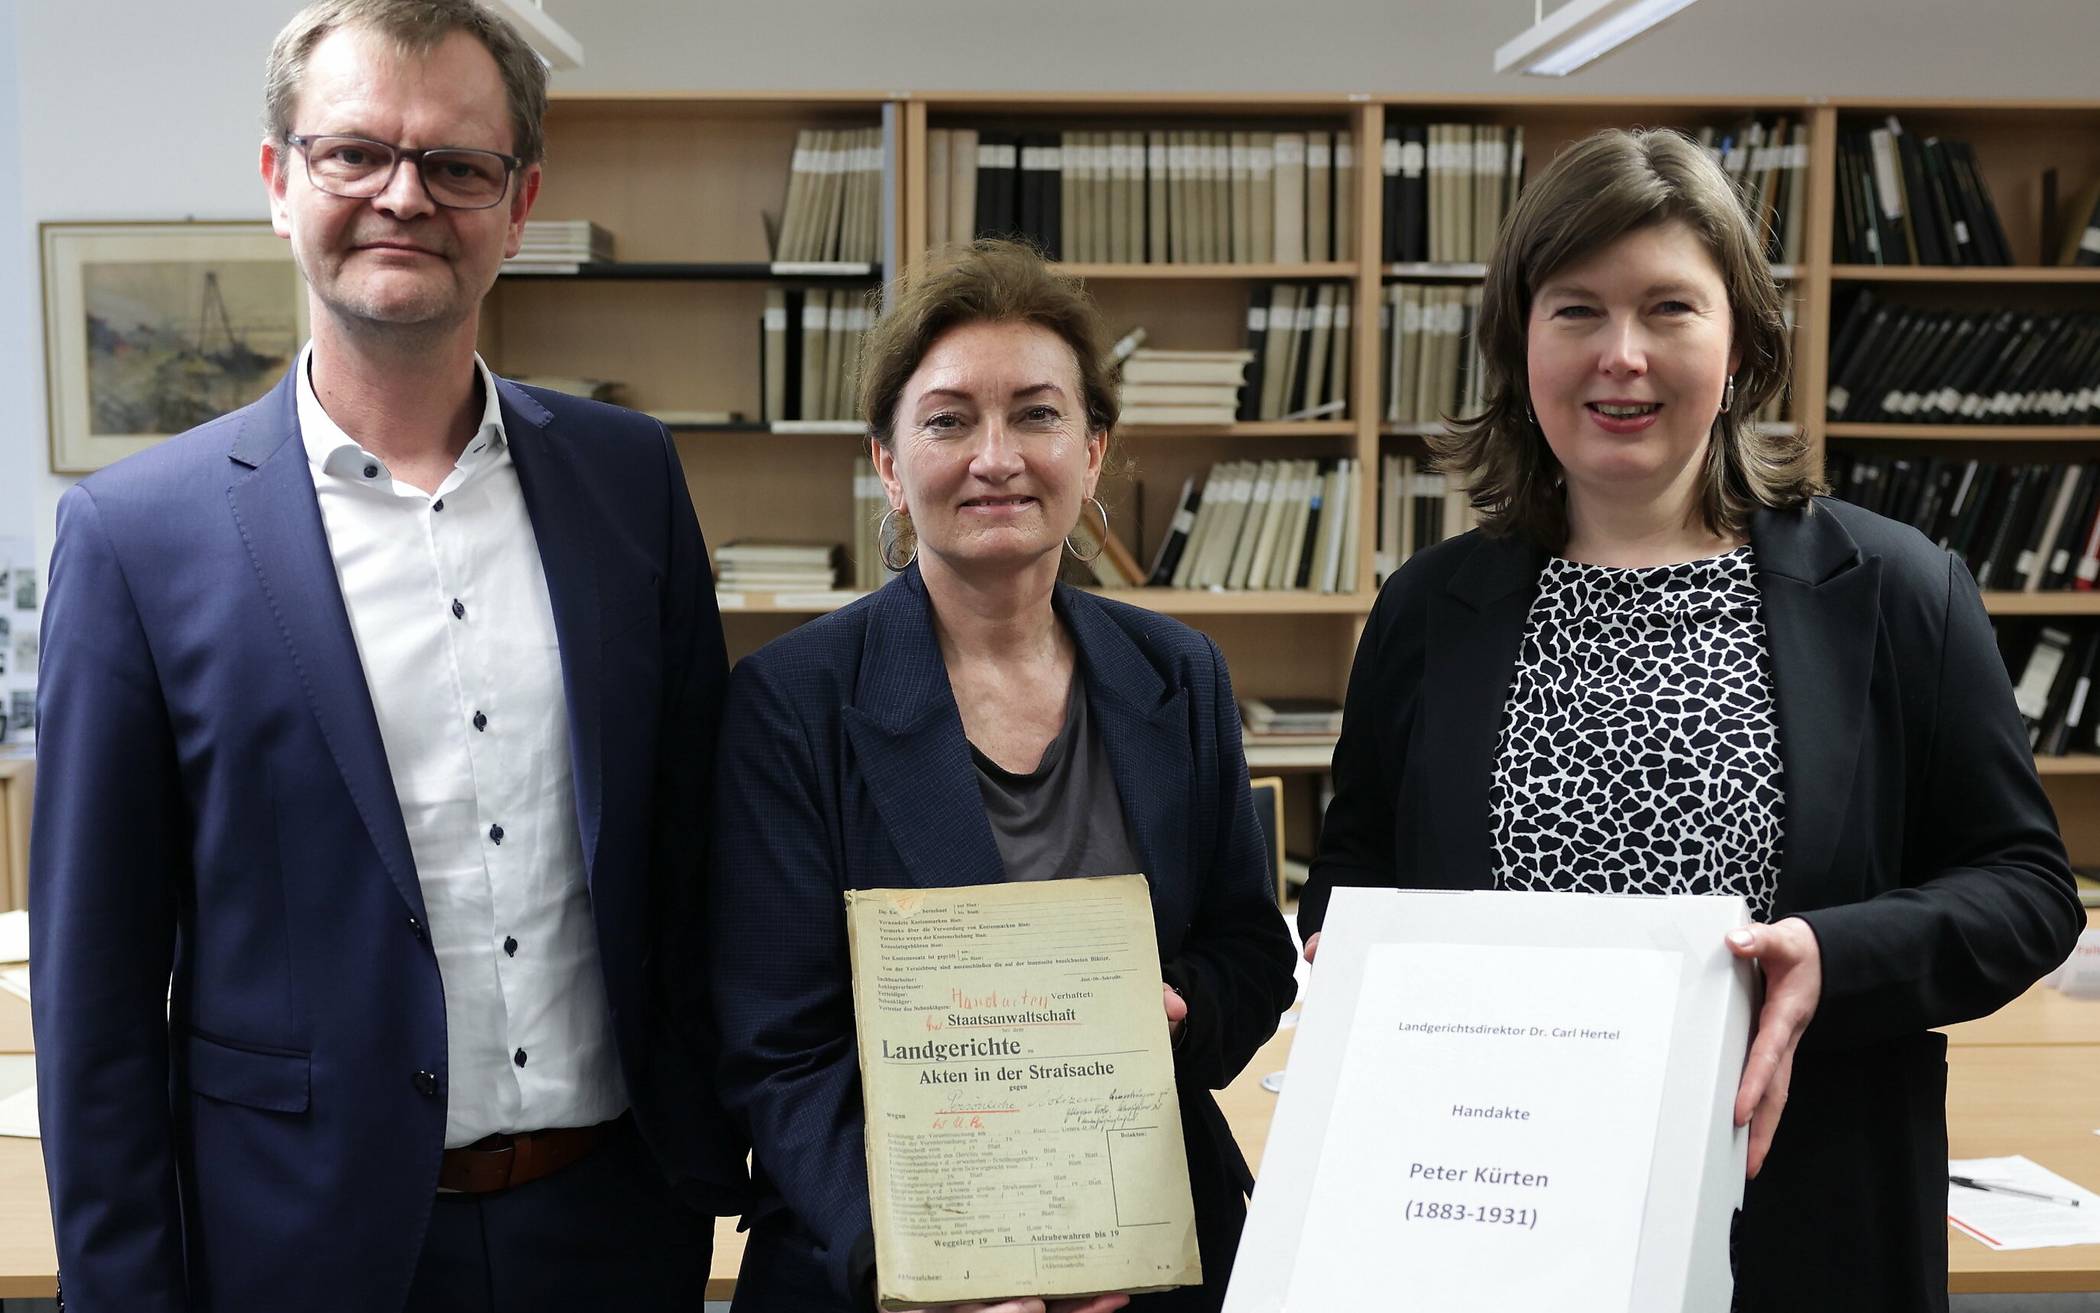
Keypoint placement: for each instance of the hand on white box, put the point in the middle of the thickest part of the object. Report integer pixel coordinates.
(1793, 968)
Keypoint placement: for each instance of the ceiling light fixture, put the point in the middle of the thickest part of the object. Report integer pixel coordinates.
(1579, 31)
(549, 39)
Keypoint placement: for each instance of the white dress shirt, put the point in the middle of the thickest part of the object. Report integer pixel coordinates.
(449, 606)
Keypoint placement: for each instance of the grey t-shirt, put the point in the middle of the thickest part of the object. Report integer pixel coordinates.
(1064, 817)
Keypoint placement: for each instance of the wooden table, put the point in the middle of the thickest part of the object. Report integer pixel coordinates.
(2042, 1101)
(2026, 1081)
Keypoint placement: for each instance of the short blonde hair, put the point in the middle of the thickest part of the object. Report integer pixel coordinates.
(416, 27)
(1603, 187)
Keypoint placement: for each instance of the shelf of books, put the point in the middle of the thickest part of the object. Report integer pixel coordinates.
(1964, 332)
(1295, 280)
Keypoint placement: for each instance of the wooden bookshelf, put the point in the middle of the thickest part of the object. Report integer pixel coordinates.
(2069, 603)
(1174, 273)
(681, 180)
(1989, 276)
(1966, 432)
(1166, 601)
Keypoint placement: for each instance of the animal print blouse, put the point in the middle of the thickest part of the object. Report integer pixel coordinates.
(1639, 749)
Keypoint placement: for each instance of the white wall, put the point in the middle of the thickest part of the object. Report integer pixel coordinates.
(21, 409)
(84, 82)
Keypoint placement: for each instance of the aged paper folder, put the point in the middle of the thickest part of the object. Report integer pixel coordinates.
(1023, 1136)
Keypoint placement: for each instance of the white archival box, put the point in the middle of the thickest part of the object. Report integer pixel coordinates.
(1694, 1176)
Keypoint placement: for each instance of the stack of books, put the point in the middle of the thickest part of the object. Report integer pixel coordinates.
(2019, 527)
(1432, 359)
(1299, 336)
(1183, 387)
(1447, 187)
(1902, 200)
(2052, 664)
(1281, 722)
(750, 565)
(1769, 162)
(1906, 365)
(1418, 506)
(559, 246)
(1148, 197)
(809, 347)
(1273, 524)
(834, 199)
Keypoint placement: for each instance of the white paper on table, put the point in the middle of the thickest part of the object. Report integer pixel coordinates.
(2008, 1221)
(15, 980)
(1552, 1203)
(14, 936)
(2079, 974)
(18, 1114)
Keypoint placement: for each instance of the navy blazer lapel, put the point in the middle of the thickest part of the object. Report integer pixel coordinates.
(1145, 732)
(1476, 626)
(553, 488)
(914, 759)
(1821, 602)
(279, 519)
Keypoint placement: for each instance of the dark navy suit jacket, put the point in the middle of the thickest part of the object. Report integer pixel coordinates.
(214, 803)
(1917, 842)
(844, 766)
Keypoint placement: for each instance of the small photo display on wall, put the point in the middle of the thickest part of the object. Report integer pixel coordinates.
(19, 599)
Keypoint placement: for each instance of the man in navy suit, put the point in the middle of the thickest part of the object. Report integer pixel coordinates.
(376, 717)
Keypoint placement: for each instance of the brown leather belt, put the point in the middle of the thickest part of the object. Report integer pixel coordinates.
(498, 1162)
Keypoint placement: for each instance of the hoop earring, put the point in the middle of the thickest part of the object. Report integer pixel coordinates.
(1099, 546)
(1728, 397)
(886, 540)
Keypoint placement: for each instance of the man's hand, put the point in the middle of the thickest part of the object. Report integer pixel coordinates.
(1312, 945)
(1793, 967)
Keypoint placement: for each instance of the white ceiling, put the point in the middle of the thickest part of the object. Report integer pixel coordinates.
(1891, 48)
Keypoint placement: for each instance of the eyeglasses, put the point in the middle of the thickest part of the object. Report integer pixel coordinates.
(359, 168)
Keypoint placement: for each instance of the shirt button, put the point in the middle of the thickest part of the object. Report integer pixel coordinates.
(518, 1057)
(426, 1083)
(495, 834)
(371, 471)
(438, 505)
(459, 609)
(510, 946)
(480, 721)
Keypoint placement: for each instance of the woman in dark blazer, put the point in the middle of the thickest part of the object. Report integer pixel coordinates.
(910, 740)
(1664, 666)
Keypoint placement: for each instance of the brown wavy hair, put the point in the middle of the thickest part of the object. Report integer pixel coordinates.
(1603, 187)
(990, 281)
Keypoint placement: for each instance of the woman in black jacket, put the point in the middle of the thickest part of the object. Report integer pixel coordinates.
(1663, 665)
(976, 721)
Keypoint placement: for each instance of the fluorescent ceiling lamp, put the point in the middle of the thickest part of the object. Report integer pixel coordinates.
(1578, 32)
(549, 39)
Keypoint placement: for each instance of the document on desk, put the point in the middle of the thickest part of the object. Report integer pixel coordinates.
(2011, 1216)
(1023, 1135)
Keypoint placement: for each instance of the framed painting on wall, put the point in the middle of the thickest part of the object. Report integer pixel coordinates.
(154, 328)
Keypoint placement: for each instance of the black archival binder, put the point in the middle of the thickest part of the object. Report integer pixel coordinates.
(1413, 224)
(1258, 298)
